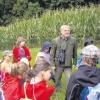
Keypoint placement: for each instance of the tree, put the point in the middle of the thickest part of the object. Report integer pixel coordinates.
(20, 8)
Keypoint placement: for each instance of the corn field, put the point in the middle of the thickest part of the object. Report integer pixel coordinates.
(83, 22)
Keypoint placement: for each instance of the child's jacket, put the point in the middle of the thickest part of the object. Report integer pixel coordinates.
(38, 91)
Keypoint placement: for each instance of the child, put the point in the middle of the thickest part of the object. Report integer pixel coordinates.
(11, 83)
(37, 88)
(6, 63)
(21, 51)
(45, 52)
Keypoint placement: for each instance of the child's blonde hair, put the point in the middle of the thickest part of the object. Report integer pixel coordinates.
(42, 65)
(19, 69)
(22, 67)
(19, 40)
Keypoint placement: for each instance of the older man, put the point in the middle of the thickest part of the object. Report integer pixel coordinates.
(64, 48)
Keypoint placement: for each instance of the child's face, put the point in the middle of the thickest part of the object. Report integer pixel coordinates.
(22, 44)
(46, 50)
(47, 75)
(9, 58)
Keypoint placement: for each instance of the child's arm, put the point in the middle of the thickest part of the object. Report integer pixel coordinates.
(27, 52)
(15, 55)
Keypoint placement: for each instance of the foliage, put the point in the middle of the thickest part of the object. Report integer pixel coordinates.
(84, 22)
(10, 9)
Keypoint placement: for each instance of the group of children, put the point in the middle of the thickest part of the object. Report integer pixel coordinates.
(18, 80)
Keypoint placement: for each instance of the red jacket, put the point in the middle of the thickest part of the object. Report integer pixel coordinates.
(39, 90)
(11, 88)
(16, 55)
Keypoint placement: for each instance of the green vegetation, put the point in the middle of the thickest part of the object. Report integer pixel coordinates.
(34, 52)
(40, 20)
(12, 9)
(84, 22)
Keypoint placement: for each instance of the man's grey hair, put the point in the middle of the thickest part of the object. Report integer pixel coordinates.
(64, 26)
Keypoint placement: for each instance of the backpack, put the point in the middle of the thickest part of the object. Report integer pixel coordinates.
(91, 93)
(79, 60)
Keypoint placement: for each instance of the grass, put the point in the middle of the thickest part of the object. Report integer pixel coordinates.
(34, 52)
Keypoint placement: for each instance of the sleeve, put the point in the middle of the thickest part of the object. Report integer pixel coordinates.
(15, 55)
(75, 52)
(27, 52)
(52, 53)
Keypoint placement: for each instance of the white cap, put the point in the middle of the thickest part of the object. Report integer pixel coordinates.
(25, 60)
(91, 51)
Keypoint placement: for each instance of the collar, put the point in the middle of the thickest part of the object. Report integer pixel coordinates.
(86, 67)
(64, 38)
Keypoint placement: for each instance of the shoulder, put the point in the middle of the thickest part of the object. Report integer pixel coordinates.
(56, 39)
(26, 48)
(40, 54)
(15, 49)
(40, 85)
(72, 38)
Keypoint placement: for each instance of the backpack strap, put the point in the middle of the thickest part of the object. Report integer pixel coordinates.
(25, 90)
(26, 98)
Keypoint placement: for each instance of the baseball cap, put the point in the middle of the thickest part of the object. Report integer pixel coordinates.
(46, 45)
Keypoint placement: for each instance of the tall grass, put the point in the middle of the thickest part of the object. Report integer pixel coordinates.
(84, 21)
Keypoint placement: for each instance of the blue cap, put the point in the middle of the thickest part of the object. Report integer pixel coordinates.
(46, 45)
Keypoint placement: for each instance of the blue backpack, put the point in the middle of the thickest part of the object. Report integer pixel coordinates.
(99, 61)
(79, 60)
(91, 93)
